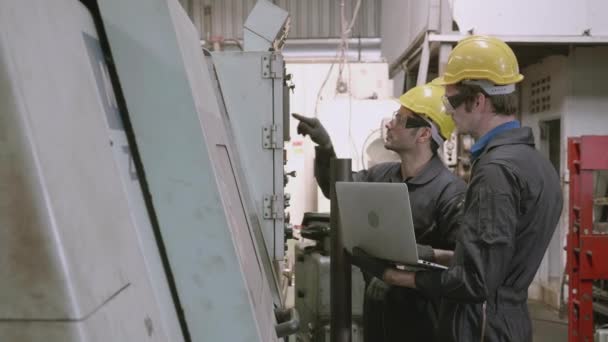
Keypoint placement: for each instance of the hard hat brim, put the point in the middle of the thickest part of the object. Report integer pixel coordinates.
(439, 81)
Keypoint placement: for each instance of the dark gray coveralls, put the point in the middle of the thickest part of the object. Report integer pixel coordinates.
(512, 207)
(436, 197)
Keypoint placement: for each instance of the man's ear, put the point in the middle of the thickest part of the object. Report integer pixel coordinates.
(425, 134)
(481, 102)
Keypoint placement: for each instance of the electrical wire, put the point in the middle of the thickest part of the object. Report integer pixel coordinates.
(341, 55)
(355, 13)
(342, 59)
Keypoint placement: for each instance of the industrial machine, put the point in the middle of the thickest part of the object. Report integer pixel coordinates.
(142, 182)
(312, 293)
(254, 84)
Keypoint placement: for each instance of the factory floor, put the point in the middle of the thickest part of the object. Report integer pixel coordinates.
(547, 326)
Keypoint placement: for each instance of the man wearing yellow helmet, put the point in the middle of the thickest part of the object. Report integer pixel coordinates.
(512, 205)
(415, 132)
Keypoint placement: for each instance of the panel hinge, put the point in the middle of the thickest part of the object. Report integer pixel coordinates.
(272, 66)
(271, 139)
(272, 207)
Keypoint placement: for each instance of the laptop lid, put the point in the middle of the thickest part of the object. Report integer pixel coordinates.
(377, 217)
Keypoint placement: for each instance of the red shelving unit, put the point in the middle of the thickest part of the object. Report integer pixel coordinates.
(587, 250)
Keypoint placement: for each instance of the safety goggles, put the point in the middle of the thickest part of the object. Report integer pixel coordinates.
(453, 102)
(407, 122)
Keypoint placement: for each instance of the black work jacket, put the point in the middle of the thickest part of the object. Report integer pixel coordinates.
(436, 197)
(512, 207)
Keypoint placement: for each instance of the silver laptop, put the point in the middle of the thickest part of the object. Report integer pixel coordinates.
(377, 217)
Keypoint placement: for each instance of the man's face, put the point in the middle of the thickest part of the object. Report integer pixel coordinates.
(455, 105)
(398, 137)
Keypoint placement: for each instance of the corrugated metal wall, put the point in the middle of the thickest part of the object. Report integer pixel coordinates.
(310, 18)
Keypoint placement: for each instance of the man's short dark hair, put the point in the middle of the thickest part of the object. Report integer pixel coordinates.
(502, 104)
(418, 121)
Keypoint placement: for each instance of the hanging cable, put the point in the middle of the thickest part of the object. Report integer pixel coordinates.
(341, 53)
(346, 32)
(342, 59)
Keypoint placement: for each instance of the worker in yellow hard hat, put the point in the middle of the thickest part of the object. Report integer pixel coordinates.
(423, 107)
(513, 203)
(415, 132)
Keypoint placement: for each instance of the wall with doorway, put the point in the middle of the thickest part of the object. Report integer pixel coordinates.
(544, 92)
(564, 96)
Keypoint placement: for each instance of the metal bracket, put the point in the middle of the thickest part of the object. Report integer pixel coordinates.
(272, 66)
(450, 151)
(270, 138)
(272, 209)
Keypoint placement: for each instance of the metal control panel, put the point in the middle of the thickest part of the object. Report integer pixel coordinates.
(255, 91)
(252, 85)
(130, 210)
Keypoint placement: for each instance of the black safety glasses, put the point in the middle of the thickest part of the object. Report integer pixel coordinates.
(454, 101)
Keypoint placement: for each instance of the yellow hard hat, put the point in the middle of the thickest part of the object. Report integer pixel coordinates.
(481, 58)
(426, 100)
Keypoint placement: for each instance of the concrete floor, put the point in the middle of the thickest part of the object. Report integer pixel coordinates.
(547, 325)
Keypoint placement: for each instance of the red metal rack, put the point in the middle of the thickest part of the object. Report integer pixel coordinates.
(587, 258)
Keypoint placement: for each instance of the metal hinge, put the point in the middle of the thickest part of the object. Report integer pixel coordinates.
(271, 139)
(272, 207)
(272, 66)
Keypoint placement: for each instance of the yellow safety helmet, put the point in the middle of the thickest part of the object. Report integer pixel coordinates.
(426, 100)
(481, 58)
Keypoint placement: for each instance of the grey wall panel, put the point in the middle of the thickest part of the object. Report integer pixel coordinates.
(402, 21)
(310, 18)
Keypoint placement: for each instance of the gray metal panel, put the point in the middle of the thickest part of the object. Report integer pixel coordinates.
(70, 263)
(228, 17)
(403, 23)
(250, 103)
(178, 125)
(141, 220)
(33, 275)
(226, 165)
(43, 206)
(266, 21)
(48, 190)
(254, 214)
(40, 332)
(310, 18)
